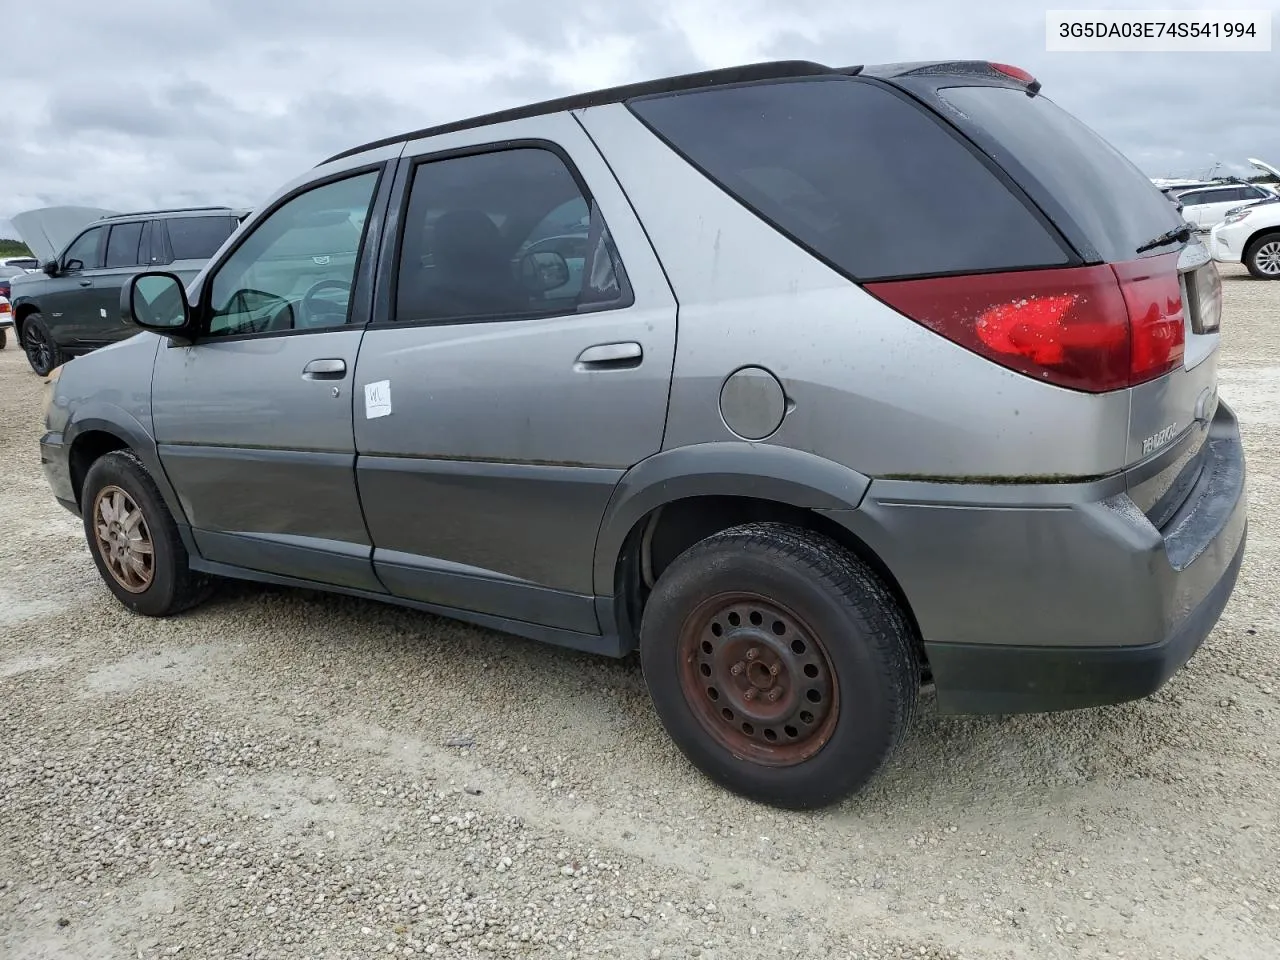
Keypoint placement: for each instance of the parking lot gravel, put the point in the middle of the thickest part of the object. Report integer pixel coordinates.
(280, 774)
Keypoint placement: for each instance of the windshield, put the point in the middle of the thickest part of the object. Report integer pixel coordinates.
(1071, 168)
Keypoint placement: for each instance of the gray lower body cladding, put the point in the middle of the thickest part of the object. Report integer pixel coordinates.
(1039, 597)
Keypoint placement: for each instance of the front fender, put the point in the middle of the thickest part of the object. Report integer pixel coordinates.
(109, 418)
(729, 469)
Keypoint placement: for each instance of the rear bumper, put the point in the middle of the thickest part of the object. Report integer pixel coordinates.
(1045, 597)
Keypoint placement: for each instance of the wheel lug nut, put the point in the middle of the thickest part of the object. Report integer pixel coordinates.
(774, 694)
(737, 668)
(774, 670)
(753, 653)
(750, 694)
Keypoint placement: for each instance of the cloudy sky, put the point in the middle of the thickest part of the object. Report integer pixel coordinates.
(142, 103)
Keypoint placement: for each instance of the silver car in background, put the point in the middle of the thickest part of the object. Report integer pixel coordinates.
(833, 383)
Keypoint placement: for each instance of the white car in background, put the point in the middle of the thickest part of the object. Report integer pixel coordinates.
(1205, 207)
(1250, 235)
(1205, 204)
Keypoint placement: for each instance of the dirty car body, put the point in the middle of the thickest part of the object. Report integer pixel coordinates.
(925, 334)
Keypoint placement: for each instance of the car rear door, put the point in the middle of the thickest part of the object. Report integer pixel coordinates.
(493, 419)
(103, 322)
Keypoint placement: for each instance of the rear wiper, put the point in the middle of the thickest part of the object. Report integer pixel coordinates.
(1177, 235)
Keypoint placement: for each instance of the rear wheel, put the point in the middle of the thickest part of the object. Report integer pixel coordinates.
(780, 664)
(4, 338)
(134, 540)
(1263, 257)
(37, 342)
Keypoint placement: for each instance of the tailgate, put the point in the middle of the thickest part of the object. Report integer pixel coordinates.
(1110, 212)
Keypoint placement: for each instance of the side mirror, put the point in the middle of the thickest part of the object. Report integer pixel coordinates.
(157, 302)
(544, 270)
(50, 267)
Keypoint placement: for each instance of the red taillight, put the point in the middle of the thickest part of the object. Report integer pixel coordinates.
(1097, 328)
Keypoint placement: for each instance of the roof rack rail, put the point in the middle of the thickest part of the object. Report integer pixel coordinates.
(767, 70)
(142, 213)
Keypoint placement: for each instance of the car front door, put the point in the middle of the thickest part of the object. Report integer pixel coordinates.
(67, 300)
(520, 366)
(253, 420)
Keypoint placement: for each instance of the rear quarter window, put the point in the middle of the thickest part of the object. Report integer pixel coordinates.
(869, 181)
(198, 238)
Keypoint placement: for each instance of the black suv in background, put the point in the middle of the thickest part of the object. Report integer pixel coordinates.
(73, 306)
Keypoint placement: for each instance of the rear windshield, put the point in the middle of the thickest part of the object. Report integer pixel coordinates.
(1116, 206)
(198, 238)
(874, 184)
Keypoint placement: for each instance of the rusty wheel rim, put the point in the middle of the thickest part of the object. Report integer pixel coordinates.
(758, 679)
(123, 539)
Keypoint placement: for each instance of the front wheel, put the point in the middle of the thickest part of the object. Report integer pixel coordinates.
(1263, 257)
(780, 664)
(134, 540)
(43, 352)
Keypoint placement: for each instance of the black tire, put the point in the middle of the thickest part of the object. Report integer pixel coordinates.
(863, 639)
(43, 352)
(172, 586)
(4, 337)
(1259, 257)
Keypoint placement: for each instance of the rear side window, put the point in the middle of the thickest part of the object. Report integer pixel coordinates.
(198, 238)
(122, 245)
(501, 235)
(1114, 204)
(868, 181)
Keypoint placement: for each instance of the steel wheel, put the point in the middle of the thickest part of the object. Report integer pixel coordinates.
(38, 349)
(123, 539)
(1267, 258)
(758, 679)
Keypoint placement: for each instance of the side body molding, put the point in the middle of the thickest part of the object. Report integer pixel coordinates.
(728, 469)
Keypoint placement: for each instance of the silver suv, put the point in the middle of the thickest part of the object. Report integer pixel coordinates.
(815, 385)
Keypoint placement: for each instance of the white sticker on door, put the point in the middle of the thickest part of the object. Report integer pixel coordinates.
(377, 399)
(103, 311)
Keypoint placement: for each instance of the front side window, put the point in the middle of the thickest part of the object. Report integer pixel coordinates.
(83, 252)
(122, 245)
(296, 269)
(504, 234)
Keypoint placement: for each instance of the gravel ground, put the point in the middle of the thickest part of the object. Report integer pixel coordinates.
(276, 775)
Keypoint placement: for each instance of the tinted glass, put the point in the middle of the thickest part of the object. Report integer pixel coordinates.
(503, 234)
(296, 269)
(122, 245)
(198, 238)
(1114, 203)
(871, 182)
(85, 248)
(1192, 199)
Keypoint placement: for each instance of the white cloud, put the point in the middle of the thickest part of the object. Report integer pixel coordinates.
(142, 103)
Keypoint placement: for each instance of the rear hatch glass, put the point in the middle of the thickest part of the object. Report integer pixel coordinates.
(1100, 199)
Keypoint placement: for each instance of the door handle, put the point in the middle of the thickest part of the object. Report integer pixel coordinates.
(610, 356)
(327, 369)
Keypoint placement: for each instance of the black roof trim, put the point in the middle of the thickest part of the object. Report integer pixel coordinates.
(769, 70)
